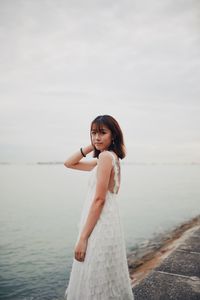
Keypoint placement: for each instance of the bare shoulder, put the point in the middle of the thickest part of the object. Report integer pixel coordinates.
(104, 164)
(105, 156)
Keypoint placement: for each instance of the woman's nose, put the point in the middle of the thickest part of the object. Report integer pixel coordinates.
(97, 136)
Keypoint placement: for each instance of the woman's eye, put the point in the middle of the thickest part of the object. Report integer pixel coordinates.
(101, 132)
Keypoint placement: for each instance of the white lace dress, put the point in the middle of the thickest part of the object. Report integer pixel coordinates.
(103, 275)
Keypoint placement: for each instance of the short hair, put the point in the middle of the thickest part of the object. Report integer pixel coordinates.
(117, 136)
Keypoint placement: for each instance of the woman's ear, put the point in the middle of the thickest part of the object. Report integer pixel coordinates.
(113, 137)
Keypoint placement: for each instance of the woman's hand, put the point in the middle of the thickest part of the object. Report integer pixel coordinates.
(80, 249)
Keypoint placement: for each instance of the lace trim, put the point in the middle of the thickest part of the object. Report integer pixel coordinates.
(116, 168)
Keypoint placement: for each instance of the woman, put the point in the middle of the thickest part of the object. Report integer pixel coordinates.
(100, 270)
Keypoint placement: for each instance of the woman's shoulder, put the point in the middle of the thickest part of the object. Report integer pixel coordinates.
(112, 154)
(106, 154)
(105, 160)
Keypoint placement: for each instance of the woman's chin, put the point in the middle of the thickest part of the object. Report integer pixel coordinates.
(100, 149)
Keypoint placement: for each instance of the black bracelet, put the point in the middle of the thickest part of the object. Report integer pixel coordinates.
(82, 152)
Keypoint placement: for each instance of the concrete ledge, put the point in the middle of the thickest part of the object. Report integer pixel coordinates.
(164, 286)
(178, 275)
(182, 263)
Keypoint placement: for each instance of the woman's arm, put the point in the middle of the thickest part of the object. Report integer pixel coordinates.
(103, 176)
(73, 161)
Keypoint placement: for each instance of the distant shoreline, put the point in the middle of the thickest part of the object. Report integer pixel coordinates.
(140, 264)
(123, 163)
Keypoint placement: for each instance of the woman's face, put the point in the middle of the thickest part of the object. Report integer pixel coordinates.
(101, 139)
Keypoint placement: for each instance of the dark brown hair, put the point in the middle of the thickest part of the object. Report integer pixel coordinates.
(117, 136)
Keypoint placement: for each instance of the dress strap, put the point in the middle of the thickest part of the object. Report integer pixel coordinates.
(116, 170)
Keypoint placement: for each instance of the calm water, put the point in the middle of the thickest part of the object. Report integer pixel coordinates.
(41, 206)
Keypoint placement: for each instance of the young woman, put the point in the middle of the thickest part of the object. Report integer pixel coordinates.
(100, 270)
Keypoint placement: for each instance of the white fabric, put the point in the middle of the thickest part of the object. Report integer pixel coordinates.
(103, 275)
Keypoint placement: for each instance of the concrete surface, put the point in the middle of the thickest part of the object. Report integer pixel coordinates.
(177, 277)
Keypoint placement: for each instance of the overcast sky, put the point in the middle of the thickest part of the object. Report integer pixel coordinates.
(65, 62)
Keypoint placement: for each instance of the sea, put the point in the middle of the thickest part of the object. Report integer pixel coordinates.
(40, 207)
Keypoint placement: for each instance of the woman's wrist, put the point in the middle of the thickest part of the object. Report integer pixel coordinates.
(83, 238)
(86, 149)
(84, 155)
